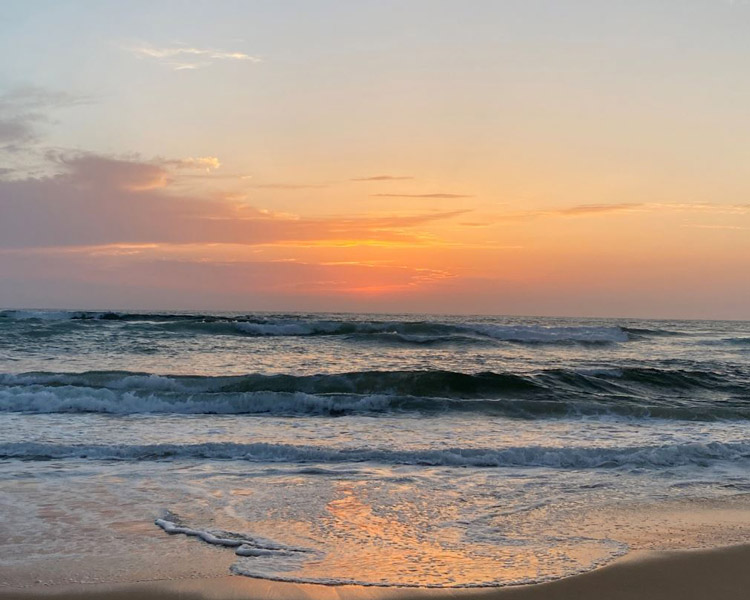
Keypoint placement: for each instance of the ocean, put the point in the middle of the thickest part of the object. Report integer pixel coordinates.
(398, 450)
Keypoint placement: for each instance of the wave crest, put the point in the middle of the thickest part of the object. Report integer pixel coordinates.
(631, 392)
(523, 456)
(389, 331)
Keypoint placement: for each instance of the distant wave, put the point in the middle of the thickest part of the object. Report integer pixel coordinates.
(646, 332)
(82, 315)
(428, 332)
(40, 315)
(631, 392)
(523, 456)
(406, 332)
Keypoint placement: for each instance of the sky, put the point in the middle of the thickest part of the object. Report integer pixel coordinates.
(572, 158)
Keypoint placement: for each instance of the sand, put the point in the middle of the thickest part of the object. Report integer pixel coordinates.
(717, 574)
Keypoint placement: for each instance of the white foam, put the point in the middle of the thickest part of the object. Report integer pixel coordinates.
(75, 399)
(270, 560)
(245, 545)
(156, 383)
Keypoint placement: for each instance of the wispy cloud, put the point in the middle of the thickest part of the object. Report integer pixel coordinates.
(588, 209)
(288, 186)
(209, 163)
(23, 108)
(181, 273)
(434, 196)
(182, 57)
(91, 171)
(23, 112)
(130, 173)
(382, 178)
(569, 211)
(583, 210)
(702, 207)
(731, 209)
(719, 227)
(31, 98)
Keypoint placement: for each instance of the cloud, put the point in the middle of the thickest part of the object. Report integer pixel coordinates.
(720, 227)
(16, 130)
(588, 209)
(181, 57)
(289, 186)
(732, 209)
(434, 196)
(382, 178)
(32, 98)
(23, 108)
(623, 207)
(100, 200)
(570, 211)
(132, 174)
(103, 173)
(153, 279)
(208, 163)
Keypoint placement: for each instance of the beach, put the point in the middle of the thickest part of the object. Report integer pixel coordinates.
(720, 574)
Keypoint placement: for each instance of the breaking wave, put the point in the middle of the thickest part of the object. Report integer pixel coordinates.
(523, 456)
(398, 331)
(630, 392)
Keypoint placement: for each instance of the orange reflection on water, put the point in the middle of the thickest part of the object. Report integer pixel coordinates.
(391, 548)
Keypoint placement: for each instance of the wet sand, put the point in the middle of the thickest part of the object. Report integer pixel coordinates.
(716, 574)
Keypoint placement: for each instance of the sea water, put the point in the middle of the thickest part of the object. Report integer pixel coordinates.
(378, 450)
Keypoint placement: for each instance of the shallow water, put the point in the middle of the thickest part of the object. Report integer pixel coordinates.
(399, 450)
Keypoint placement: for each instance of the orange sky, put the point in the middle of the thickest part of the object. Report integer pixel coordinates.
(524, 159)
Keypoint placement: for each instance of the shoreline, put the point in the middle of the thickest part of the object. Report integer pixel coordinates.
(718, 573)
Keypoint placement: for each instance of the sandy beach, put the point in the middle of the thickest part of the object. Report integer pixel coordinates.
(719, 574)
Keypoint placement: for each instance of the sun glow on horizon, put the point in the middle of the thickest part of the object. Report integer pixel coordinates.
(493, 168)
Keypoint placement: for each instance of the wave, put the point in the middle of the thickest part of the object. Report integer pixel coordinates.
(399, 331)
(628, 392)
(275, 561)
(354, 328)
(648, 332)
(439, 383)
(244, 545)
(413, 383)
(423, 332)
(39, 315)
(77, 400)
(82, 315)
(671, 455)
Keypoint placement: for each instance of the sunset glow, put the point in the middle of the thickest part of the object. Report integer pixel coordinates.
(399, 158)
